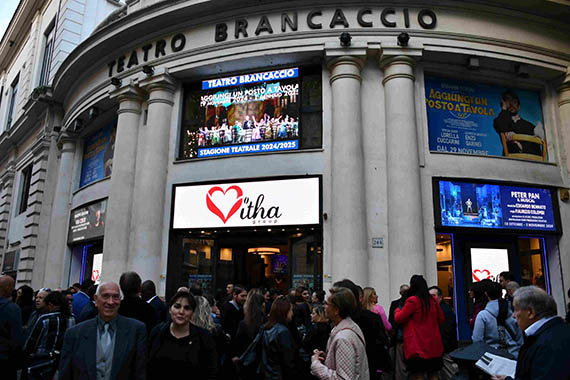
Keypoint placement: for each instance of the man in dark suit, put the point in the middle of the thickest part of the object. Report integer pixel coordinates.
(545, 353)
(11, 335)
(132, 305)
(81, 298)
(232, 312)
(398, 335)
(448, 331)
(148, 294)
(108, 347)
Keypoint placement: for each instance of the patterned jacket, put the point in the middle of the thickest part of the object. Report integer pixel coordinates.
(47, 333)
(346, 354)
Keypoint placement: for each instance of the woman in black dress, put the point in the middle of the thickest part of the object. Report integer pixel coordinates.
(181, 348)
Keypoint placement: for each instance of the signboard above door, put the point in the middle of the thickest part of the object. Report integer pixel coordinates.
(262, 204)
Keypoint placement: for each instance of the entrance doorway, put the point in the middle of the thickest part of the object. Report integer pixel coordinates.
(272, 258)
(463, 259)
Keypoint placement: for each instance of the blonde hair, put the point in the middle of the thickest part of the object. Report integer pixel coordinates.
(319, 310)
(367, 294)
(202, 316)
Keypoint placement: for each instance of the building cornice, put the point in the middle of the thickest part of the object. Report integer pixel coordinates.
(18, 30)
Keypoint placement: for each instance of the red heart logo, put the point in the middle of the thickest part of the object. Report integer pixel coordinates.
(214, 208)
(476, 278)
(95, 275)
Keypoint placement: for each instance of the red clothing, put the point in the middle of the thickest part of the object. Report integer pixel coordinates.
(421, 332)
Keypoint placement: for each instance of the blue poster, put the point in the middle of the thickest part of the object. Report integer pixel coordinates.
(98, 155)
(484, 120)
(477, 205)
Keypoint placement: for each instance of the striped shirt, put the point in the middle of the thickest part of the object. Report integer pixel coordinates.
(47, 333)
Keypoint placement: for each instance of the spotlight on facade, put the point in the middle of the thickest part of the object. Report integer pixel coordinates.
(473, 63)
(403, 39)
(521, 71)
(93, 113)
(345, 39)
(148, 70)
(116, 82)
(77, 125)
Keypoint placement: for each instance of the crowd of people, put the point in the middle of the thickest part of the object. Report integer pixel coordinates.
(249, 130)
(125, 331)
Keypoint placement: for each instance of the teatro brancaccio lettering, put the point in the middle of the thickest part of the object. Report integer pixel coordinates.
(365, 18)
(244, 27)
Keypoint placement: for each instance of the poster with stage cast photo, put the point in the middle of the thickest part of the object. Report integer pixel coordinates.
(248, 113)
(484, 120)
(98, 154)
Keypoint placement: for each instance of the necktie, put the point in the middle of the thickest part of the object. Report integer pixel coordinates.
(106, 340)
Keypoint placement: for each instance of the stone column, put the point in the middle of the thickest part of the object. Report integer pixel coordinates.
(148, 212)
(564, 107)
(405, 219)
(119, 205)
(348, 213)
(54, 276)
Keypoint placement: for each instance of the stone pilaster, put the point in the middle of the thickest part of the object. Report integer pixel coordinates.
(40, 153)
(119, 206)
(6, 189)
(564, 107)
(405, 220)
(55, 262)
(149, 198)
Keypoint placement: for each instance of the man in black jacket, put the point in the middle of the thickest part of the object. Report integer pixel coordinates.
(148, 294)
(448, 331)
(398, 336)
(232, 311)
(545, 353)
(132, 305)
(11, 336)
(374, 333)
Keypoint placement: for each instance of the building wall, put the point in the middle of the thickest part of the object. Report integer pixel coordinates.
(30, 140)
(502, 37)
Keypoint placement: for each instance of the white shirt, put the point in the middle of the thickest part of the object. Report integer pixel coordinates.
(532, 329)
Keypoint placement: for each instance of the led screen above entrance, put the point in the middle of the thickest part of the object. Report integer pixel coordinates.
(263, 204)
(249, 113)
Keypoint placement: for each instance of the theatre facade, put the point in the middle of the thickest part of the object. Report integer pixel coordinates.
(281, 144)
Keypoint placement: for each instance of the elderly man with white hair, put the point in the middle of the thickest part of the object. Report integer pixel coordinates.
(545, 354)
(107, 347)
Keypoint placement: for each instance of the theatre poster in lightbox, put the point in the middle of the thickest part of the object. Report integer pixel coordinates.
(247, 113)
(87, 222)
(494, 206)
(484, 120)
(98, 155)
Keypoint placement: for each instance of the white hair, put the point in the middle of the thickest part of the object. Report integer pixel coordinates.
(101, 285)
(533, 297)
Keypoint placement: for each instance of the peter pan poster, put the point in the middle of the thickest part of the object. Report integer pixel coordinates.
(484, 120)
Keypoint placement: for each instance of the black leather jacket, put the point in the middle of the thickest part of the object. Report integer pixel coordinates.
(278, 353)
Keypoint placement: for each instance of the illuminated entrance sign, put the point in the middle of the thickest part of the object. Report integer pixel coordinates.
(262, 204)
(494, 206)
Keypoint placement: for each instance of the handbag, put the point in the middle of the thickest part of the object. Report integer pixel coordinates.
(252, 354)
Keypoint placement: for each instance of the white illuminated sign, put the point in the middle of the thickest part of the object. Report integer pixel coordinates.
(248, 204)
(97, 265)
(488, 263)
